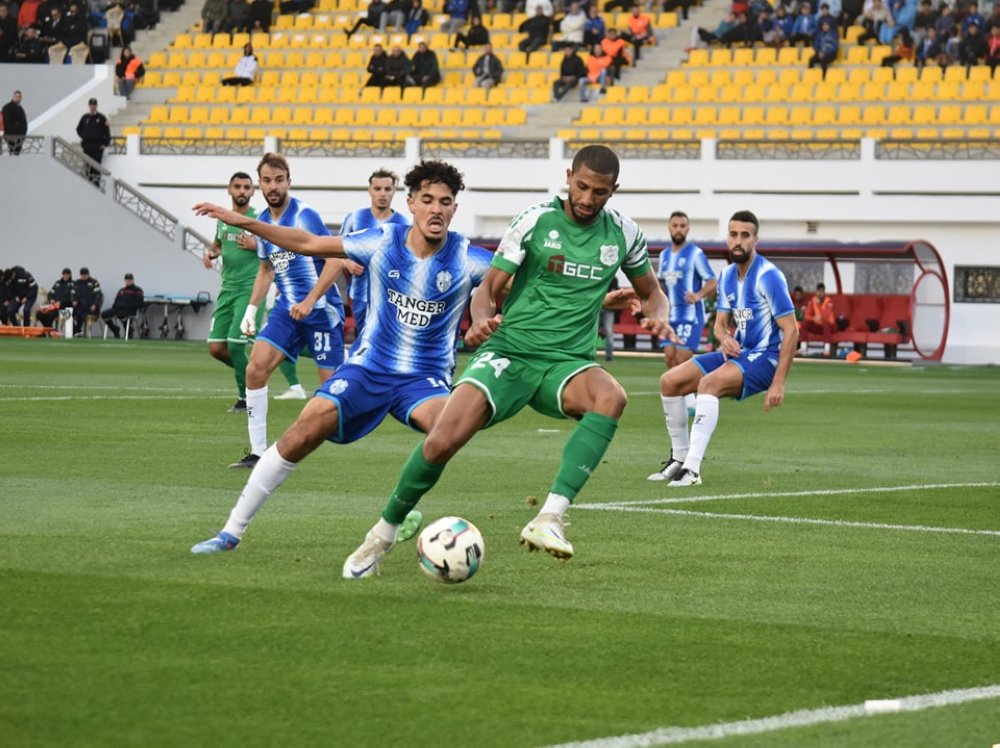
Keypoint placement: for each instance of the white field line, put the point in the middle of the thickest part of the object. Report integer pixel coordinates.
(845, 391)
(58, 398)
(802, 718)
(113, 387)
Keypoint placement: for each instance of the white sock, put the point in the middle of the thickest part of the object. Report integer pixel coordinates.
(690, 400)
(675, 412)
(385, 531)
(555, 504)
(257, 419)
(706, 415)
(269, 473)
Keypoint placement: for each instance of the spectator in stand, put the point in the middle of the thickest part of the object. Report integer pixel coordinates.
(372, 19)
(245, 73)
(972, 49)
(426, 71)
(904, 50)
(972, 18)
(30, 48)
(614, 47)
(52, 27)
(261, 12)
(458, 15)
(904, 13)
(128, 302)
(60, 297)
(993, 45)
(27, 14)
(597, 69)
(819, 317)
(15, 124)
(930, 51)
(23, 291)
(571, 28)
(488, 69)
(683, 5)
(76, 27)
(994, 20)
(804, 28)
(537, 28)
(129, 71)
(8, 34)
(477, 36)
(594, 30)
(640, 32)
(872, 19)
(545, 5)
(394, 15)
(925, 19)
(572, 73)
(826, 14)
(765, 30)
(87, 300)
(213, 16)
(95, 136)
(376, 67)
(238, 16)
(825, 46)
(783, 21)
(732, 29)
(416, 16)
(945, 24)
(850, 12)
(887, 31)
(398, 69)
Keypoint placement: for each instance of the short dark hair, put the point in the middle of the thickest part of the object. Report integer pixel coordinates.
(434, 172)
(798, 289)
(275, 161)
(599, 159)
(129, 276)
(745, 216)
(240, 175)
(679, 214)
(821, 286)
(384, 174)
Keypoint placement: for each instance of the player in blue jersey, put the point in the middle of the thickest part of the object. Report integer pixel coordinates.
(382, 186)
(420, 279)
(687, 279)
(758, 336)
(308, 313)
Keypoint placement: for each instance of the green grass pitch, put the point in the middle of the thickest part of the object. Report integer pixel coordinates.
(810, 590)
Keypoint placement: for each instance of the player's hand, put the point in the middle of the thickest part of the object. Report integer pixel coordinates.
(222, 214)
(621, 299)
(301, 310)
(246, 241)
(730, 347)
(249, 324)
(774, 396)
(690, 298)
(481, 331)
(661, 328)
(353, 267)
(206, 260)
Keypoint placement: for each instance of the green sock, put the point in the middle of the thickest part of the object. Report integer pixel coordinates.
(289, 371)
(583, 452)
(418, 477)
(238, 359)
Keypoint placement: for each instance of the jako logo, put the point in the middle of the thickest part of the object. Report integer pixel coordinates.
(552, 242)
(559, 266)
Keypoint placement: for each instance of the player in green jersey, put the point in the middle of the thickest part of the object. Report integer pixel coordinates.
(559, 259)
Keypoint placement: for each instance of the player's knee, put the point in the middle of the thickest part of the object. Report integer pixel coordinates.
(611, 401)
(440, 447)
(671, 384)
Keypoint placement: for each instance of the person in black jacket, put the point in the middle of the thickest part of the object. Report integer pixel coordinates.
(128, 302)
(60, 296)
(23, 291)
(376, 66)
(95, 136)
(488, 69)
(87, 300)
(571, 71)
(537, 29)
(426, 71)
(477, 36)
(8, 34)
(15, 124)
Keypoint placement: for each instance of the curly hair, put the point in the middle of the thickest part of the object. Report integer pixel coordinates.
(434, 172)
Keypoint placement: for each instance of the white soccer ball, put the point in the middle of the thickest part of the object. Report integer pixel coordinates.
(450, 549)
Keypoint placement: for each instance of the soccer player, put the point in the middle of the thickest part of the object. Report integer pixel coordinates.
(420, 279)
(559, 257)
(308, 312)
(758, 335)
(687, 280)
(382, 186)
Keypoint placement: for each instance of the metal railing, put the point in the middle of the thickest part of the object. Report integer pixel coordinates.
(788, 150)
(195, 243)
(133, 200)
(507, 148)
(202, 147)
(79, 163)
(973, 149)
(343, 148)
(23, 145)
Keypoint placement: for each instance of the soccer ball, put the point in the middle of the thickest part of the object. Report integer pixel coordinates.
(450, 549)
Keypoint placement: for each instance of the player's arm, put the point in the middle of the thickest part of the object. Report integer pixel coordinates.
(286, 237)
(331, 271)
(263, 281)
(211, 253)
(775, 394)
(655, 306)
(483, 307)
(723, 333)
(707, 290)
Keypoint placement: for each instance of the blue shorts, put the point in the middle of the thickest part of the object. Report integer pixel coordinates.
(364, 398)
(758, 368)
(319, 333)
(688, 332)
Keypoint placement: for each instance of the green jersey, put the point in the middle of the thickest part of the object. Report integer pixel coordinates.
(239, 266)
(562, 270)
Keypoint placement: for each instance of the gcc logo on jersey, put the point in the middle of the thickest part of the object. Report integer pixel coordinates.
(559, 266)
(552, 242)
(414, 312)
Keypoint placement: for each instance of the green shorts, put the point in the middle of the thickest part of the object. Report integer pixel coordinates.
(509, 383)
(227, 316)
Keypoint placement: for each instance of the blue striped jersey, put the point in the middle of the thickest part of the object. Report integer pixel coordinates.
(357, 220)
(685, 270)
(415, 305)
(755, 303)
(295, 274)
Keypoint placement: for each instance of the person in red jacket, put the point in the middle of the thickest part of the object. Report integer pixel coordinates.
(819, 317)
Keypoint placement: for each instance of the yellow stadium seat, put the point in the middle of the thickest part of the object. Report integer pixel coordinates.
(173, 133)
(948, 90)
(697, 78)
(706, 94)
(193, 133)
(856, 55)
(363, 117)
(873, 91)
(391, 95)
(801, 92)
(754, 115)
(812, 76)
(931, 73)
(742, 57)
(788, 56)
(451, 117)
(682, 115)
(346, 117)
(633, 117)
(612, 135)
(847, 115)
(706, 115)
(178, 115)
(659, 116)
(974, 91)
(976, 114)
(261, 115)
(743, 78)
(198, 115)
(826, 91)
(302, 116)
(898, 114)
(873, 115)
(158, 114)
(697, 58)
(924, 114)
(789, 77)
(754, 93)
(767, 76)
(720, 58)
(681, 133)
(430, 118)
(730, 115)
(719, 78)
(927, 133)
(157, 60)
(924, 90)
(766, 57)
(826, 115)
(386, 117)
(801, 115)
(433, 97)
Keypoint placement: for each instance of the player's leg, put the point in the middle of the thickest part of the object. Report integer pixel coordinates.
(675, 385)
(264, 359)
(317, 421)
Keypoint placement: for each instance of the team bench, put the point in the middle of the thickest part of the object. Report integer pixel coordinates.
(866, 319)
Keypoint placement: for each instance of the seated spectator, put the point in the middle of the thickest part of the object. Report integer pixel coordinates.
(372, 19)
(819, 317)
(537, 28)
(765, 30)
(571, 28)
(972, 18)
(477, 36)
(904, 49)
(22, 291)
(260, 15)
(87, 300)
(732, 29)
(614, 47)
(30, 48)
(76, 27)
(972, 49)
(15, 124)
(376, 67)
(825, 14)
(799, 302)
(850, 10)
(594, 29)
(572, 72)
(296, 6)
(825, 46)
(245, 73)
(804, 28)
(612, 5)
(52, 27)
(129, 71)
(887, 31)
(930, 51)
(458, 15)
(993, 45)
(783, 21)
(683, 5)
(394, 15)
(425, 69)
(416, 16)
(488, 69)
(27, 14)
(128, 302)
(213, 16)
(8, 34)
(597, 69)
(926, 19)
(238, 16)
(945, 23)
(398, 69)
(871, 20)
(546, 5)
(640, 32)
(60, 297)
